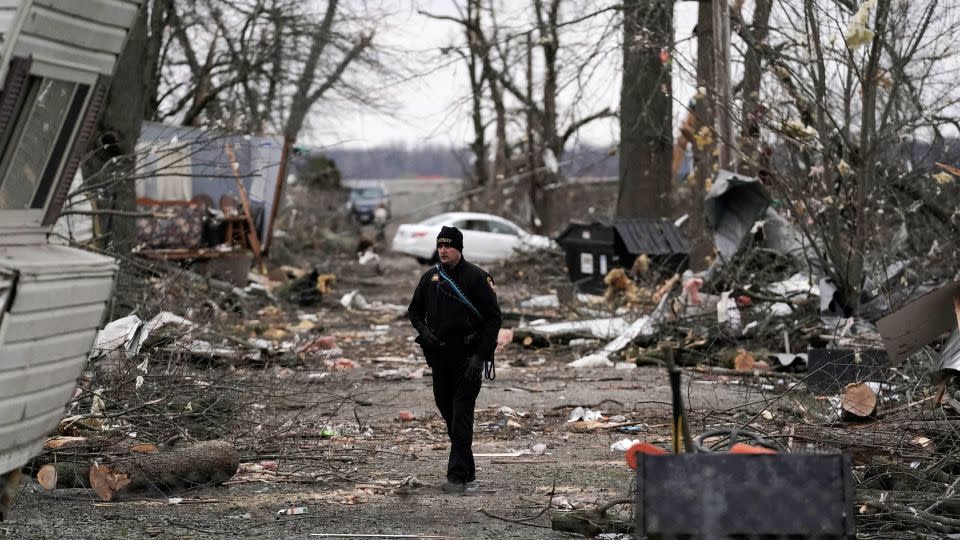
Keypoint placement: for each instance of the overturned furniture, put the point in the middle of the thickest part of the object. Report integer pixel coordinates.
(55, 66)
(214, 197)
(592, 249)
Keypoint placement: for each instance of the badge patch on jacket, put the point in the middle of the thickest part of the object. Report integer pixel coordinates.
(436, 277)
(490, 282)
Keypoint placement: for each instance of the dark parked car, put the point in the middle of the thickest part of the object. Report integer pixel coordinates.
(364, 200)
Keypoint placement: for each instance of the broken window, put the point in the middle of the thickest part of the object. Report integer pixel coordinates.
(41, 137)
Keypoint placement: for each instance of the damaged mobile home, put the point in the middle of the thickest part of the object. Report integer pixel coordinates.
(57, 60)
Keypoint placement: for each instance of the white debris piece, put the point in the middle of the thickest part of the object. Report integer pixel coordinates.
(116, 334)
(130, 333)
(368, 256)
(787, 359)
(797, 284)
(781, 309)
(164, 320)
(598, 328)
(591, 361)
(727, 311)
(586, 415)
(353, 300)
(541, 301)
(623, 445)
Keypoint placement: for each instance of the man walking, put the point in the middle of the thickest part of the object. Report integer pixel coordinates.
(456, 314)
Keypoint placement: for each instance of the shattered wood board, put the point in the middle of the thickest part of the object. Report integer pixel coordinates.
(830, 370)
(911, 327)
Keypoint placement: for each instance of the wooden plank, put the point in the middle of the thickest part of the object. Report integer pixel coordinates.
(40, 324)
(68, 28)
(45, 295)
(50, 349)
(252, 233)
(36, 378)
(112, 12)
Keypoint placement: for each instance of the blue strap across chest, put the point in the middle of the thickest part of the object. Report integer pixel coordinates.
(456, 290)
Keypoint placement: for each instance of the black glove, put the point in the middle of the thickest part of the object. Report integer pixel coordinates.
(475, 369)
(428, 338)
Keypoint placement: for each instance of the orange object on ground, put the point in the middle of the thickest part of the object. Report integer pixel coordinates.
(642, 448)
(741, 448)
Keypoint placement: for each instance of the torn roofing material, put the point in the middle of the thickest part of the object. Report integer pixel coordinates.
(651, 236)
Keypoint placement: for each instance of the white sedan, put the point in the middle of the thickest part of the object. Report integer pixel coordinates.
(486, 237)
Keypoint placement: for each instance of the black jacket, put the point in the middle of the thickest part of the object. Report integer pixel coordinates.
(436, 305)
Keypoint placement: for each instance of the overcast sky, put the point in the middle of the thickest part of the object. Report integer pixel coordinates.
(432, 109)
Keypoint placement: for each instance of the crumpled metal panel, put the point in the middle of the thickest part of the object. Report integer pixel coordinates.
(733, 204)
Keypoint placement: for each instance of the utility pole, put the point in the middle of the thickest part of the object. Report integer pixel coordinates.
(724, 91)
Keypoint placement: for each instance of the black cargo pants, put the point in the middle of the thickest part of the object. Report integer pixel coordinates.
(456, 398)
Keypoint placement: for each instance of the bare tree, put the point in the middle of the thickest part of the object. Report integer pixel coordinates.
(523, 91)
(646, 103)
(847, 84)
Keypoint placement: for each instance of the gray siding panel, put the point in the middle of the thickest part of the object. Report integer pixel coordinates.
(39, 324)
(113, 12)
(35, 296)
(42, 48)
(7, 16)
(38, 378)
(19, 407)
(30, 430)
(30, 353)
(65, 28)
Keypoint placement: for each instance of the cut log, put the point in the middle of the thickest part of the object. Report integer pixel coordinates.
(744, 361)
(56, 443)
(212, 462)
(64, 476)
(859, 399)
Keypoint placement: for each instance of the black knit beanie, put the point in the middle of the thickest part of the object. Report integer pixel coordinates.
(450, 236)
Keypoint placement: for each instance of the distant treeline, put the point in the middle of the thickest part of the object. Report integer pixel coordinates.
(400, 161)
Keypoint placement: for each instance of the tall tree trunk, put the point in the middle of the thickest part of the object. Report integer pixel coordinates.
(750, 89)
(723, 93)
(645, 110)
(475, 70)
(114, 141)
(152, 52)
(703, 155)
(550, 45)
(866, 167)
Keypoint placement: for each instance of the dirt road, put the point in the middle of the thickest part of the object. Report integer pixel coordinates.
(349, 473)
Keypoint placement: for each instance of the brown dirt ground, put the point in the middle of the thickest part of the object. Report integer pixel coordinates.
(356, 490)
